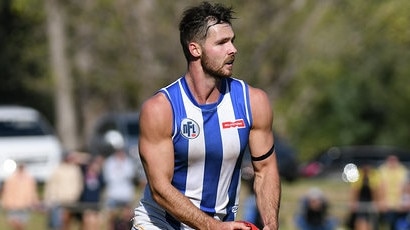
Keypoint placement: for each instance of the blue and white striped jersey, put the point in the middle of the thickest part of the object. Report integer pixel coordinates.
(209, 142)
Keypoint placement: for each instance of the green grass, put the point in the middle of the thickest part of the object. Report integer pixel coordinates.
(336, 192)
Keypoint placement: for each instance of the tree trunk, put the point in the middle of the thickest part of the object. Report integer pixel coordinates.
(64, 105)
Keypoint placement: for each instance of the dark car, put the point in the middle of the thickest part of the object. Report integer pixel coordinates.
(119, 130)
(286, 157)
(125, 123)
(339, 161)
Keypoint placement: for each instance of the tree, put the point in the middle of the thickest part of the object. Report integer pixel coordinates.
(64, 105)
(23, 73)
(336, 71)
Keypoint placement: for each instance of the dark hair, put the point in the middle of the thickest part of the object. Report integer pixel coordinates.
(196, 21)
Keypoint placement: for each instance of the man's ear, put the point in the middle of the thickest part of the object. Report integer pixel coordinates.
(195, 49)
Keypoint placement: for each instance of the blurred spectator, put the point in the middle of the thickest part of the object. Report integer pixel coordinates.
(313, 213)
(91, 194)
(19, 197)
(119, 173)
(403, 217)
(62, 191)
(365, 199)
(393, 175)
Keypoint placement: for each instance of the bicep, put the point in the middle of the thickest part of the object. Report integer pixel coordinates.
(261, 136)
(157, 158)
(155, 141)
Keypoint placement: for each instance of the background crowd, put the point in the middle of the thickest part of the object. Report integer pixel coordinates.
(90, 192)
(96, 192)
(379, 199)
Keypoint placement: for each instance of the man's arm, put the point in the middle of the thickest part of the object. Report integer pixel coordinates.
(267, 185)
(157, 155)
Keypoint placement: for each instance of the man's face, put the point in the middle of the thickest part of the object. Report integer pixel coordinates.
(218, 51)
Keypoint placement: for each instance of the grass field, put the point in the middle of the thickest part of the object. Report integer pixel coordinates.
(336, 191)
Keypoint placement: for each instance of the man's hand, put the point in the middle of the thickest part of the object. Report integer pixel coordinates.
(231, 225)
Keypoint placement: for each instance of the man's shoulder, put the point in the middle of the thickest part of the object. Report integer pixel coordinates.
(258, 95)
(156, 113)
(156, 104)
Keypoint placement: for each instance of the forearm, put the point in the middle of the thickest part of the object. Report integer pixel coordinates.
(181, 208)
(268, 194)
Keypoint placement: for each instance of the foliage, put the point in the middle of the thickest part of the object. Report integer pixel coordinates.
(352, 81)
(336, 71)
(22, 46)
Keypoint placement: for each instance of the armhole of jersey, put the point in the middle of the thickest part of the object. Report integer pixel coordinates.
(174, 125)
(247, 102)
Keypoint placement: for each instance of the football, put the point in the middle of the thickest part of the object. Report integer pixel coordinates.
(249, 224)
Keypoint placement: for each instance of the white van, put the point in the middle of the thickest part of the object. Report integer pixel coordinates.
(27, 138)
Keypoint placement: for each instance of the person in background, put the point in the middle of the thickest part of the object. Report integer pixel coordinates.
(403, 215)
(313, 213)
(91, 194)
(62, 192)
(393, 177)
(365, 199)
(19, 197)
(119, 173)
(194, 132)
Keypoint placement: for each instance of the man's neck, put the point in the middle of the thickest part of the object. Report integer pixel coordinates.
(205, 89)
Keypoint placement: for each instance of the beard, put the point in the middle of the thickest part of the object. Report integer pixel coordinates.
(212, 68)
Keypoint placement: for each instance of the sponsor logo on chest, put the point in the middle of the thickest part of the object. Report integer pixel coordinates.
(191, 130)
(240, 123)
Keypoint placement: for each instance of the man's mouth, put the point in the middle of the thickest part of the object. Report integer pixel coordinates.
(230, 62)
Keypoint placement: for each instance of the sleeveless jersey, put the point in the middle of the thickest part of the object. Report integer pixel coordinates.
(209, 142)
